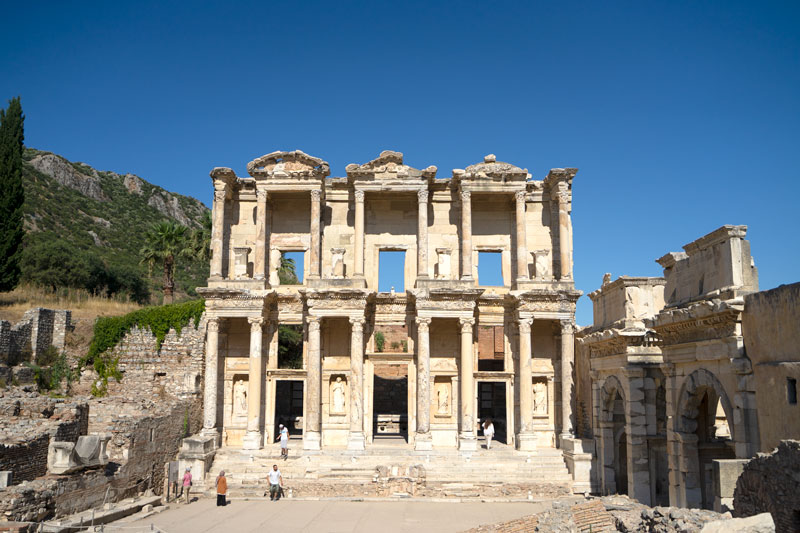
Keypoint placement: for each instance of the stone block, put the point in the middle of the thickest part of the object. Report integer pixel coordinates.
(5, 479)
(760, 523)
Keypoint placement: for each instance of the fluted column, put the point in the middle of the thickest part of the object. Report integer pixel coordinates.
(466, 235)
(467, 438)
(423, 437)
(422, 234)
(526, 439)
(522, 248)
(359, 238)
(567, 363)
(313, 416)
(564, 232)
(211, 370)
(253, 438)
(260, 261)
(356, 440)
(313, 254)
(217, 234)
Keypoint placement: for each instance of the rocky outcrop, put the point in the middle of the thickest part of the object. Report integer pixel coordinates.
(64, 173)
(168, 205)
(132, 183)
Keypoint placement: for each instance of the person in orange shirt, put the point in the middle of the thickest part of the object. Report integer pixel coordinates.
(222, 488)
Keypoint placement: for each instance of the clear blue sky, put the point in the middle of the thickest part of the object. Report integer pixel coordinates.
(682, 116)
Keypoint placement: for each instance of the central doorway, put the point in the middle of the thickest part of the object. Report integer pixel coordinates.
(289, 406)
(492, 404)
(390, 402)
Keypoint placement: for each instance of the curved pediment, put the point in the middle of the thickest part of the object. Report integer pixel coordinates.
(490, 168)
(288, 164)
(388, 165)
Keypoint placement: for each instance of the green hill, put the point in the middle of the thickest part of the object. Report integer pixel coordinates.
(102, 218)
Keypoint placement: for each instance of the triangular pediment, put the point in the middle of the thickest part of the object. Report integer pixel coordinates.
(492, 169)
(388, 165)
(288, 164)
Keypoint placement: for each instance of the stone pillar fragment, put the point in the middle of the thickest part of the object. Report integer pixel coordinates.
(356, 440)
(315, 237)
(313, 415)
(467, 438)
(567, 362)
(260, 260)
(422, 234)
(253, 438)
(359, 237)
(522, 248)
(218, 222)
(564, 232)
(526, 439)
(210, 389)
(423, 438)
(466, 236)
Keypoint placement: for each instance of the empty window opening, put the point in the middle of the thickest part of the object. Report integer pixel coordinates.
(290, 346)
(290, 271)
(490, 269)
(791, 390)
(491, 353)
(391, 271)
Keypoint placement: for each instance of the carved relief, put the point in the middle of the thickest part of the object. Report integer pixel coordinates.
(337, 262)
(443, 263)
(443, 403)
(542, 265)
(540, 397)
(338, 396)
(240, 265)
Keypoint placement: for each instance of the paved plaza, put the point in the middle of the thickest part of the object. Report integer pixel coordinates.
(242, 516)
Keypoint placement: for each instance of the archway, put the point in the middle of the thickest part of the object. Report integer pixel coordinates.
(613, 438)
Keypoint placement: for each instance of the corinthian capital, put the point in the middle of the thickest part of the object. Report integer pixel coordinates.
(423, 322)
(466, 323)
(357, 322)
(567, 327)
(316, 194)
(213, 324)
(359, 195)
(422, 196)
(313, 323)
(256, 323)
(465, 196)
(519, 196)
(525, 325)
(219, 195)
(261, 195)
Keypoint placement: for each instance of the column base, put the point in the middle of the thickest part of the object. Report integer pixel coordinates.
(356, 441)
(312, 440)
(423, 442)
(211, 433)
(526, 442)
(468, 442)
(253, 440)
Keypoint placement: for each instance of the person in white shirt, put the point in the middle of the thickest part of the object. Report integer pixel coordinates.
(275, 483)
(283, 435)
(488, 432)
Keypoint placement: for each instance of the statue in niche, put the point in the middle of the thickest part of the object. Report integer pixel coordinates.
(540, 398)
(337, 262)
(337, 396)
(541, 264)
(239, 398)
(443, 401)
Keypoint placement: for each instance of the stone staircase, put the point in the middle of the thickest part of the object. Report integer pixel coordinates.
(395, 472)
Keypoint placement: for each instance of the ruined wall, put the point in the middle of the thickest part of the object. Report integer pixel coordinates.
(770, 484)
(38, 330)
(771, 338)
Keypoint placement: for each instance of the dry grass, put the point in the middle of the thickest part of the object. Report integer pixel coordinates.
(82, 304)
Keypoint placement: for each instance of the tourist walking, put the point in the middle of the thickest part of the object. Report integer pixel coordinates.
(187, 482)
(275, 483)
(283, 436)
(488, 432)
(222, 488)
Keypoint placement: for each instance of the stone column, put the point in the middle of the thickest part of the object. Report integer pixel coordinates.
(313, 254)
(216, 233)
(567, 362)
(313, 416)
(467, 439)
(253, 438)
(356, 440)
(522, 248)
(466, 236)
(526, 439)
(564, 237)
(422, 234)
(210, 390)
(359, 238)
(260, 260)
(423, 439)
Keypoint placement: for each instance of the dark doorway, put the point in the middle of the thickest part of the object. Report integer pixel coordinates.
(621, 460)
(289, 406)
(492, 404)
(390, 402)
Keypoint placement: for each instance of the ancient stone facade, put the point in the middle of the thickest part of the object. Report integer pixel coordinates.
(466, 351)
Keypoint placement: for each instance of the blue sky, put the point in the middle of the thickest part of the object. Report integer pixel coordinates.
(681, 116)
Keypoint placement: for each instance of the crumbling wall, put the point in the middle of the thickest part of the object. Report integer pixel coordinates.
(770, 484)
(39, 329)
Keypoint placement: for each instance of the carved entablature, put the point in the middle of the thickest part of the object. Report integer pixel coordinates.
(491, 170)
(396, 305)
(699, 322)
(333, 301)
(289, 303)
(440, 302)
(615, 341)
(559, 183)
(543, 300)
(388, 166)
(230, 302)
(295, 165)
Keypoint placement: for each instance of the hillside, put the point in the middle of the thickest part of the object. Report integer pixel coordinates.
(103, 215)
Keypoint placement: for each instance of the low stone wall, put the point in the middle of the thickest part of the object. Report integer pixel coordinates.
(25, 461)
(770, 484)
(38, 330)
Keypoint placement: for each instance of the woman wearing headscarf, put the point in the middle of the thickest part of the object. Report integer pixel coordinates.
(222, 488)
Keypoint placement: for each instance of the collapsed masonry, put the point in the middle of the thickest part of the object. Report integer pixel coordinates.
(38, 330)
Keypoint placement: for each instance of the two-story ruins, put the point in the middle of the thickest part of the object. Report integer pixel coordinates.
(427, 361)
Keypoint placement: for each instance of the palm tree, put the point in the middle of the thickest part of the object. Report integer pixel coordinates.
(199, 243)
(163, 243)
(287, 273)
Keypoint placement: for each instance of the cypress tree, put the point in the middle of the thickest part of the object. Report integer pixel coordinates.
(12, 195)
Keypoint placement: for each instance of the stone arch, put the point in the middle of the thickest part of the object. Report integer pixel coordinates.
(612, 437)
(700, 393)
